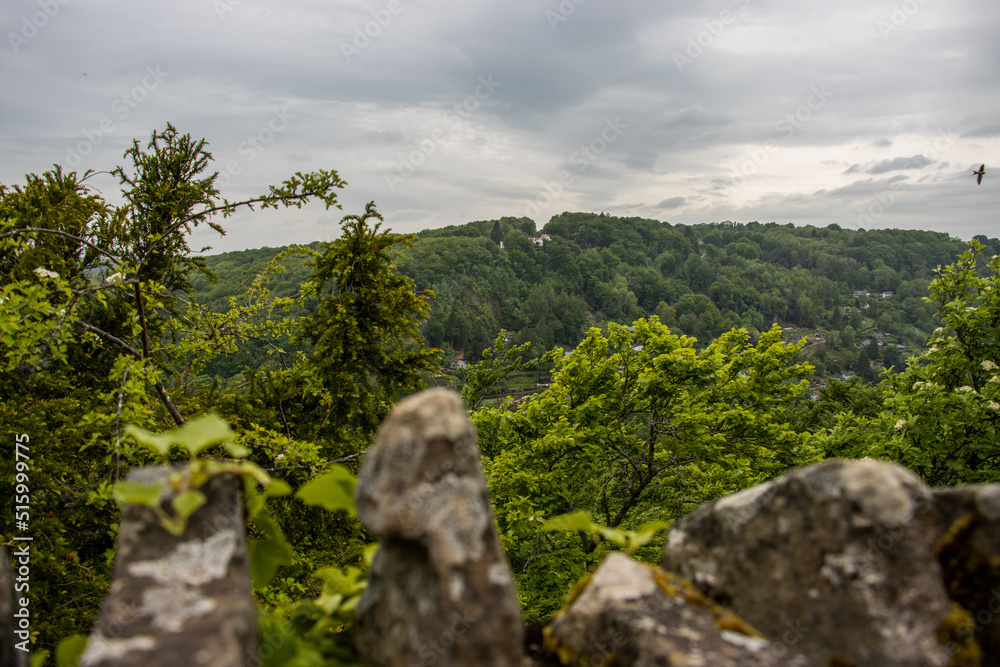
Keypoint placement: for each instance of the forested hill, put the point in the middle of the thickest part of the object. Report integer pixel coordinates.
(584, 269)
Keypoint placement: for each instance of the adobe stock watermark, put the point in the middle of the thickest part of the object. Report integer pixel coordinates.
(121, 108)
(565, 9)
(431, 651)
(410, 162)
(882, 201)
(778, 648)
(982, 619)
(223, 7)
(786, 126)
(583, 157)
(899, 16)
(417, 496)
(698, 42)
(255, 144)
(31, 25)
(363, 35)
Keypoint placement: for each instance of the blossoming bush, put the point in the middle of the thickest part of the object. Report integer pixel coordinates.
(942, 414)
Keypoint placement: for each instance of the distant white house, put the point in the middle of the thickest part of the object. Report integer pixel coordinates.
(539, 240)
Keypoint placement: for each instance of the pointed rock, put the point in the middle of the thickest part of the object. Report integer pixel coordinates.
(440, 590)
(179, 601)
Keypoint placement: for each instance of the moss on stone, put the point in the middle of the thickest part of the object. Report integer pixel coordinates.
(956, 633)
(678, 587)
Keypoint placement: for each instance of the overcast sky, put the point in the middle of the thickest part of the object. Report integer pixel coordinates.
(864, 113)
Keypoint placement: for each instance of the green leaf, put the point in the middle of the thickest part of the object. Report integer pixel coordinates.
(203, 432)
(158, 442)
(255, 471)
(265, 557)
(645, 533)
(333, 490)
(269, 527)
(613, 534)
(135, 493)
(194, 436)
(575, 521)
(38, 658)
(277, 488)
(236, 450)
(69, 651)
(188, 502)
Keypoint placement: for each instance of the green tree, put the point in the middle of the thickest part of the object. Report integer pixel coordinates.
(97, 333)
(496, 235)
(366, 350)
(645, 427)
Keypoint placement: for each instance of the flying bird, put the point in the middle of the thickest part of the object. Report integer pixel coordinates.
(979, 174)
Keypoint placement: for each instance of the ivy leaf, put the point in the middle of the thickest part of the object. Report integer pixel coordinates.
(277, 488)
(203, 432)
(188, 502)
(69, 651)
(265, 557)
(645, 533)
(575, 521)
(158, 442)
(134, 493)
(236, 450)
(617, 536)
(195, 436)
(333, 490)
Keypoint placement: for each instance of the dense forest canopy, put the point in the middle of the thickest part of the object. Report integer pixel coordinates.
(549, 286)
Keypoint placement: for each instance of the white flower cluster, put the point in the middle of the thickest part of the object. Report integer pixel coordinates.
(989, 365)
(900, 424)
(113, 278)
(45, 273)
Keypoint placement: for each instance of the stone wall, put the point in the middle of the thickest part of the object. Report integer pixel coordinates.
(838, 564)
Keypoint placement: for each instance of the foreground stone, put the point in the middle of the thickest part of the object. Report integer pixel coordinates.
(439, 590)
(842, 553)
(969, 552)
(633, 614)
(179, 601)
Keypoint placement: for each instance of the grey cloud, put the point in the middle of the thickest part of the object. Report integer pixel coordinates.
(672, 202)
(895, 164)
(687, 130)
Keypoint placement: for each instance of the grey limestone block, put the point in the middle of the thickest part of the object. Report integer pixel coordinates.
(439, 590)
(634, 614)
(179, 601)
(844, 550)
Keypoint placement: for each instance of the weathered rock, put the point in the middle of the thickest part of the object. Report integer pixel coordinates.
(9, 655)
(633, 614)
(843, 552)
(969, 552)
(439, 589)
(179, 601)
